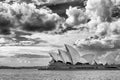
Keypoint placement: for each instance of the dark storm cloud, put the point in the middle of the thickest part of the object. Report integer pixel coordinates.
(39, 27)
(27, 18)
(36, 20)
(5, 25)
(27, 1)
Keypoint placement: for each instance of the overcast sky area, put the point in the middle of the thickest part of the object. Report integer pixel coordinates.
(28, 34)
(21, 45)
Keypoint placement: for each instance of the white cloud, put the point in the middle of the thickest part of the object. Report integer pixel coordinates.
(75, 16)
(106, 32)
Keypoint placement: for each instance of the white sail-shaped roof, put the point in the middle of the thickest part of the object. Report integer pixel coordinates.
(65, 56)
(74, 53)
(59, 58)
(82, 60)
(55, 56)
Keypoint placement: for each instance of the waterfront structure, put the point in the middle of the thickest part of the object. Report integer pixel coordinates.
(75, 56)
(71, 55)
(71, 59)
(65, 56)
(56, 57)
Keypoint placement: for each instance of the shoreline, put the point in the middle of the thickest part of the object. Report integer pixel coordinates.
(46, 68)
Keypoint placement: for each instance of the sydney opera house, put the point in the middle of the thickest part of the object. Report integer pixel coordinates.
(71, 55)
(71, 59)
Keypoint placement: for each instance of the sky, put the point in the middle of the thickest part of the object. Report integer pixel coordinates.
(28, 34)
(50, 43)
(27, 31)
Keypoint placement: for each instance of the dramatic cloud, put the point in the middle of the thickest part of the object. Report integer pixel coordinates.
(55, 1)
(24, 15)
(106, 39)
(99, 9)
(5, 19)
(75, 16)
(42, 21)
(59, 1)
(5, 25)
(27, 17)
(37, 2)
(33, 19)
(104, 27)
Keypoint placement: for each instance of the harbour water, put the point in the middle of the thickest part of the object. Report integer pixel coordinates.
(59, 75)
